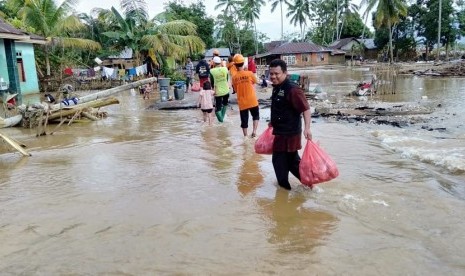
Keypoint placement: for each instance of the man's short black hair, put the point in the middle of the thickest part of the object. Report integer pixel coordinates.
(202, 56)
(279, 62)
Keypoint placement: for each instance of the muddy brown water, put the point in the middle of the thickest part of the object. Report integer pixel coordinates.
(147, 192)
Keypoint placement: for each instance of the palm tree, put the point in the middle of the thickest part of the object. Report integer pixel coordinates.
(347, 8)
(132, 29)
(230, 8)
(174, 38)
(54, 23)
(388, 13)
(251, 12)
(274, 4)
(299, 12)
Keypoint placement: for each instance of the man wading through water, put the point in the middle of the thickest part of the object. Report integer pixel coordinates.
(288, 102)
(244, 84)
(219, 80)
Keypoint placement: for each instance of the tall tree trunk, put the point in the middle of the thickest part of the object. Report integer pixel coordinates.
(340, 29)
(47, 61)
(256, 37)
(364, 26)
(391, 52)
(282, 24)
(439, 30)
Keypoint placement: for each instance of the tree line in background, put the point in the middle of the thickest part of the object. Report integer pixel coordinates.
(186, 30)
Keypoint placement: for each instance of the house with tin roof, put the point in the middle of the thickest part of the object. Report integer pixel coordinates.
(224, 53)
(355, 47)
(301, 54)
(17, 60)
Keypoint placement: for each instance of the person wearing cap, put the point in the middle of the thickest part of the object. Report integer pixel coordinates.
(244, 84)
(288, 103)
(231, 68)
(219, 81)
(203, 70)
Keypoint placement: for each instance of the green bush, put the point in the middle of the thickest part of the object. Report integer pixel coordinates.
(176, 76)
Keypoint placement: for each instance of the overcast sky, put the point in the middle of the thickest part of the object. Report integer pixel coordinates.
(268, 23)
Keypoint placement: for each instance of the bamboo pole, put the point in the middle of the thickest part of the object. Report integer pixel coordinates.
(72, 110)
(15, 145)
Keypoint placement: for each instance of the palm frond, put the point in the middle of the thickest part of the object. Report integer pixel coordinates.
(79, 43)
(135, 8)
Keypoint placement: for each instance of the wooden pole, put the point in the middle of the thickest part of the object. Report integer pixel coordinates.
(15, 145)
(108, 92)
(72, 110)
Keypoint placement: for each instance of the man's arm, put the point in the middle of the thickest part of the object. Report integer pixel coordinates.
(307, 120)
(300, 103)
(212, 81)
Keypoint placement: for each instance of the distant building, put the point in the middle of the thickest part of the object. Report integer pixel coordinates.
(17, 60)
(122, 61)
(301, 54)
(355, 47)
(224, 53)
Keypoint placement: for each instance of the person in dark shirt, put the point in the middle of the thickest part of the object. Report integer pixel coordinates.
(149, 61)
(203, 70)
(288, 103)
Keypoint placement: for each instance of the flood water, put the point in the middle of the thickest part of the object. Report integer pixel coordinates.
(148, 192)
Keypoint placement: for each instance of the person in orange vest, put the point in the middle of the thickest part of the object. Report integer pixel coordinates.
(231, 68)
(244, 85)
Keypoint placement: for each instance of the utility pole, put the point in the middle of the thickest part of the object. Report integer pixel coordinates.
(439, 30)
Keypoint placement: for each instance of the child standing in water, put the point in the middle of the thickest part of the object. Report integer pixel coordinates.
(206, 102)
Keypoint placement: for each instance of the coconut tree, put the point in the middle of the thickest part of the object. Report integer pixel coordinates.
(274, 4)
(346, 9)
(134, 30)
(251, 12)
(230, 9)
(299, 12)
(387, 13)
(54, 22)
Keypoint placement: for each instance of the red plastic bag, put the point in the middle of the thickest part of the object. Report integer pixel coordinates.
(316, 166)
(264, 143)
(195, 87)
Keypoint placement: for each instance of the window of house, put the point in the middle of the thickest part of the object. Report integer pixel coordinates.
(305, 57)
(290, 60)
(20, 66)
(321, 57)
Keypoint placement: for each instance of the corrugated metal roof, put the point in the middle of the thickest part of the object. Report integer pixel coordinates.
(298, 47)
(10, 32)
(8, 29)
(338, 44)
(369, 43)
(224, 52)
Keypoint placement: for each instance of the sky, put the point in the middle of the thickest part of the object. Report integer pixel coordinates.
(269, 24)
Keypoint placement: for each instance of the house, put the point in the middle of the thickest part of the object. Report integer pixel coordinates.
(354, 47)
(371, 50)
(273, 44)
(224, 53)
(122, 61)
(301, 54)
(17, 60)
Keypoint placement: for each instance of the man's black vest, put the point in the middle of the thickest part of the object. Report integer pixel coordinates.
(284, 118)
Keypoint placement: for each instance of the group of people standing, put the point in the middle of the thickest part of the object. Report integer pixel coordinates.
(288, 106)
(216, 80)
